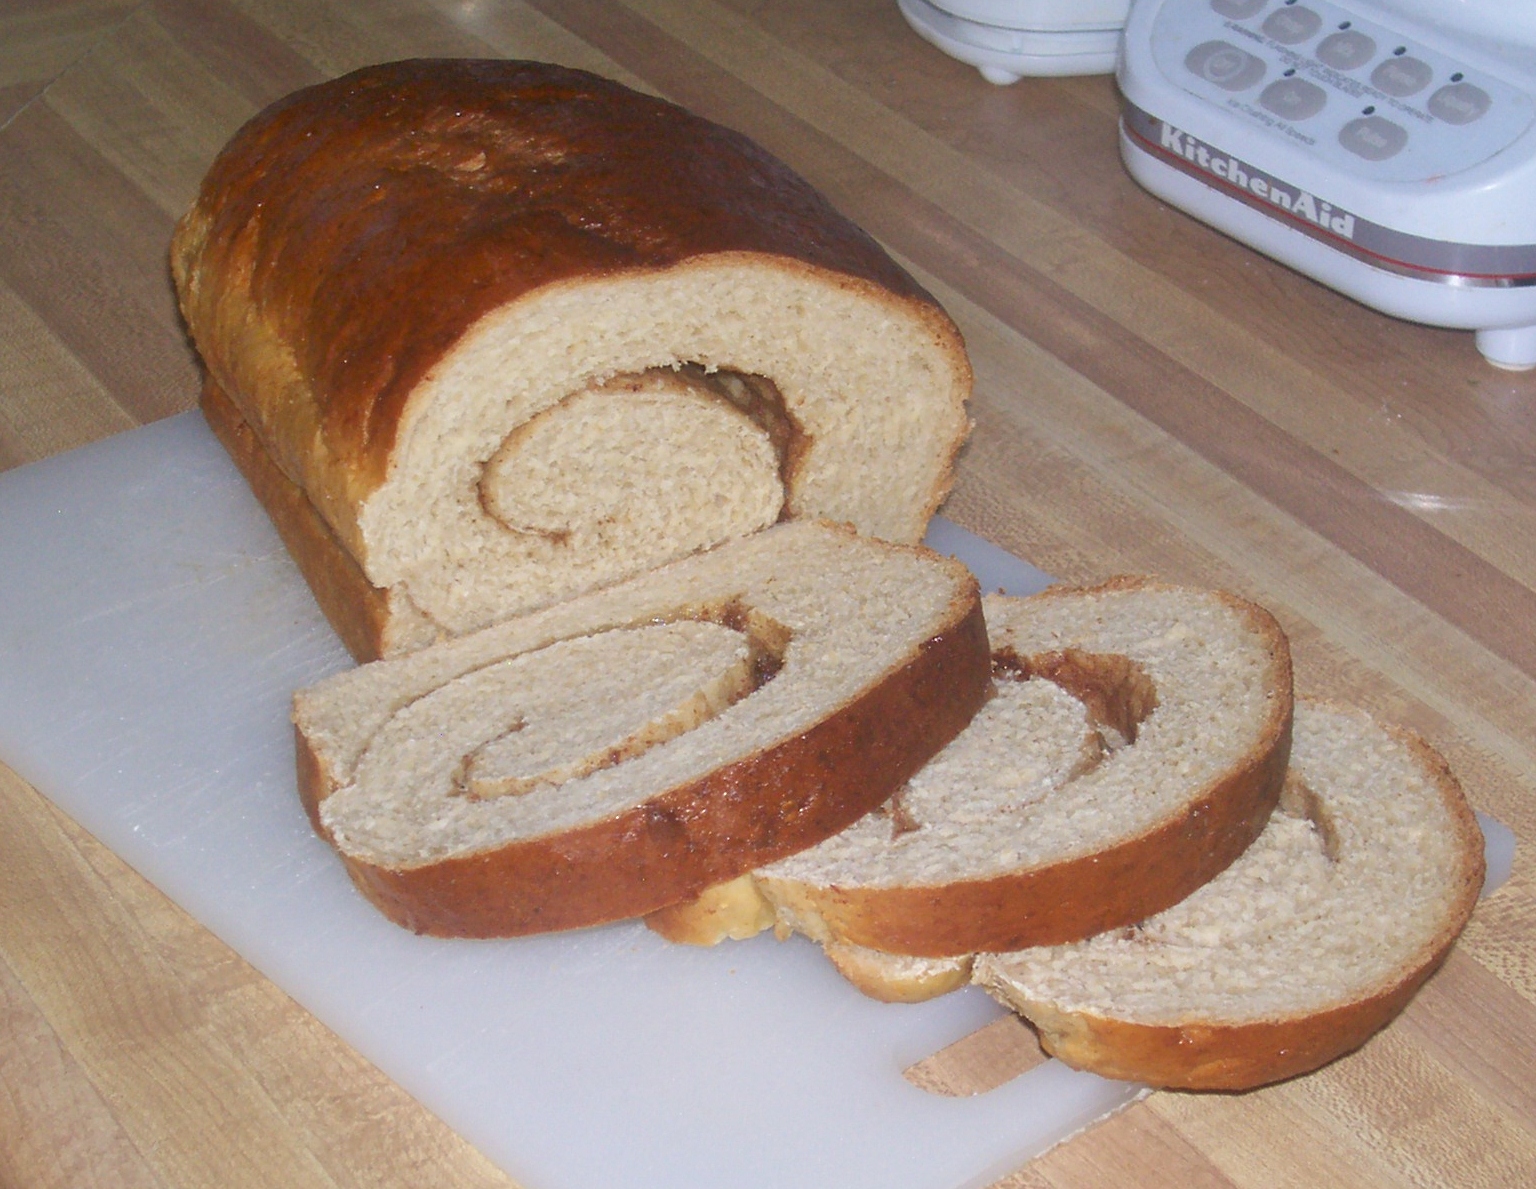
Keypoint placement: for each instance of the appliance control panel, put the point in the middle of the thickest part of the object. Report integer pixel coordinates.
(1365, 98)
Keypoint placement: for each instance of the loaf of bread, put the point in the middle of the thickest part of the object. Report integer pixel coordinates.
(1297, 953)
(1134, 748)
(487, 334)
(627, 748)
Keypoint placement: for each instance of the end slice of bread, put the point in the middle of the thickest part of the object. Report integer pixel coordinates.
(629, 748)
(1135, 746)
(498, 333)
(1301, 950)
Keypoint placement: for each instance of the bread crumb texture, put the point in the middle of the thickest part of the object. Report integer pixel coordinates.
(604, 479)
(1361, 870)
(1036, 779)
(899, 978)
(591, 707)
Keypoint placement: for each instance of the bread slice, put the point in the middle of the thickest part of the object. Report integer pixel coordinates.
(506, 332)
(628, 748)
(1298, 952)
(1135, 746)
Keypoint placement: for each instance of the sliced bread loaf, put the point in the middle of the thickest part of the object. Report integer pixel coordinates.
(1135, 746)
(625, 749)
(486, 334)
(1298, 952)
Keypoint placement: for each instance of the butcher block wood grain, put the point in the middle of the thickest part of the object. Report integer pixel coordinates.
(1150, 396)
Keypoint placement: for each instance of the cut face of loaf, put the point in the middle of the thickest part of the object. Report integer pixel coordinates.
(1134, 747)
(508, 332)
(628, 748)
(1298, 952)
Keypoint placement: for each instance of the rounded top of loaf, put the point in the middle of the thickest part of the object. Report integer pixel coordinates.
(440, 189)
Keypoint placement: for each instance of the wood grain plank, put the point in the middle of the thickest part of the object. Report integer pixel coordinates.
(1268, 1139)
(516, 30)
(42, 1084)
(373, 1135)
(14, 97)
(86, 250)
(249, 57)
(41, 39)
(986, 1059)
(1501, 930)
(152, 110)
(335, 38)
(1461, 587)
(1392, 1099)
(98, 979)
(1468, 1020)
(52, 401)
(1376, 1117)
(1135, 1147)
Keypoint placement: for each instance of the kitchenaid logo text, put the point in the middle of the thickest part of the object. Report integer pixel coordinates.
(1298, 203)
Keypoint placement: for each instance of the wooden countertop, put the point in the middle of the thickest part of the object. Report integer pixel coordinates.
(1150, 397)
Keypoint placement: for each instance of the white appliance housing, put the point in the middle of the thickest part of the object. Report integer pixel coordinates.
(1386, 148)
(1008, 39)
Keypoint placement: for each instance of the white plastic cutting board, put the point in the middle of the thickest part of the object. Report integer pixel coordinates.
(152, 630)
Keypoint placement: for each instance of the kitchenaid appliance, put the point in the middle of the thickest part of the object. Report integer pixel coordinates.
(1383, 148)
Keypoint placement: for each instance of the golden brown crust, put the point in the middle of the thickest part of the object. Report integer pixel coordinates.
(360, 613)
(1081, 896)
(1210, 1056)
(507, 177)
(897, 980)
(1199, 1056)
(315, 781)
(674, 845)
(1065, 901)
(733, 910)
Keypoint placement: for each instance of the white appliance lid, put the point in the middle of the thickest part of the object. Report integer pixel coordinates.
(1040, 14)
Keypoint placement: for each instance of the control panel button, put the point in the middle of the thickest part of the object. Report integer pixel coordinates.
(1346, 49)
(1238, 9)
(1402, 77)
(1459, 103)
(1291, 24)
(1373, 137)
(1222, 63)
(1293, 98)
